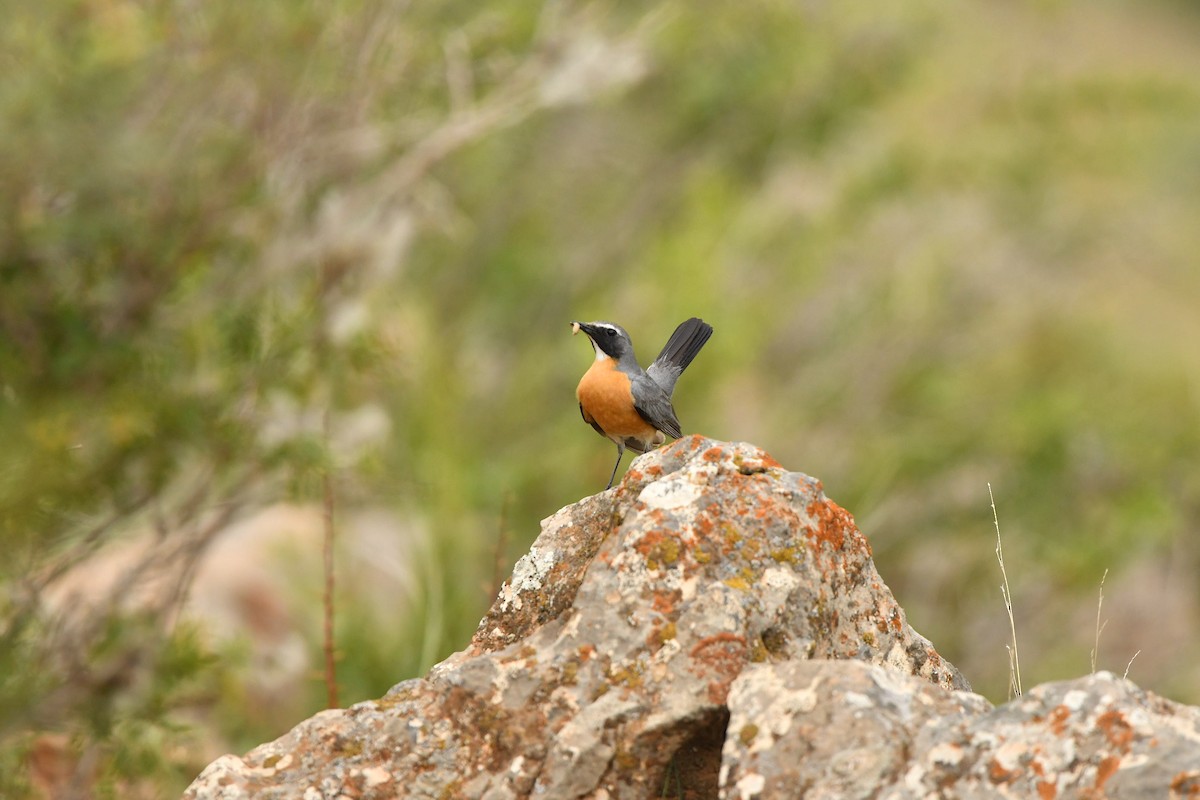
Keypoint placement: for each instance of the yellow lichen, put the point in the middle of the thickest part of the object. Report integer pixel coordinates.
(668, 551)
(784, 555)
(631, 675)
(348, 749)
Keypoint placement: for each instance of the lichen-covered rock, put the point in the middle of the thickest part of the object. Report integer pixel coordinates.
(823, 729)
(604, 667)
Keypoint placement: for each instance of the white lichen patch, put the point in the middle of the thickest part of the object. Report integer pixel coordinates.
(374, 776)
(858, 700)
(630, 573)
(776, 585)
(719, 609)
(669, 494)
(1075, 699)
(1009, 755)
(529, 575)
(219, 778)
(760, 694)
(897, 657)
(750, 786)
(670, 648)
(945, 754)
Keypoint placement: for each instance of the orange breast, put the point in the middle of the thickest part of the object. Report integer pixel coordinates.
(604, 394)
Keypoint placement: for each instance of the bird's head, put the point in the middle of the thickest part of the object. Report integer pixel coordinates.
(608, 339)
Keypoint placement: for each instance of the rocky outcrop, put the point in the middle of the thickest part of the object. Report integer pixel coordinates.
(852, 730)
(714, 626)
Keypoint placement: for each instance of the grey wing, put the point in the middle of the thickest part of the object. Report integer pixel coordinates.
(664, 373)
(654, 406)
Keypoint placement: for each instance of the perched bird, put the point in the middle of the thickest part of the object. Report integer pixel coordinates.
(627, 404)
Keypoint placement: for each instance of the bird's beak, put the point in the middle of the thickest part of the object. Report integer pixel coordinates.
(574, 328)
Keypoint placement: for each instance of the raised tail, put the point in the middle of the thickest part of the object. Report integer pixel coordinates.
(678, 352)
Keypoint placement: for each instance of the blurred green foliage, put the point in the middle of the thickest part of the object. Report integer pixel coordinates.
(941, 246)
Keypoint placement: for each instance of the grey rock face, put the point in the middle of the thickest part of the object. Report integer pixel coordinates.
(659, 639)
(824, 729)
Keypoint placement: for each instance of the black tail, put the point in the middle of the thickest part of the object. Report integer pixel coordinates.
(678, 352)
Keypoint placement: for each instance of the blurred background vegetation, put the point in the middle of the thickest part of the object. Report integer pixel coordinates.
(245, 248)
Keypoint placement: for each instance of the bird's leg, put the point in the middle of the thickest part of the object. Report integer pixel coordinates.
(613, 477)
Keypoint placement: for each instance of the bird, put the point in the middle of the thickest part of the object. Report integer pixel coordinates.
(629, 405)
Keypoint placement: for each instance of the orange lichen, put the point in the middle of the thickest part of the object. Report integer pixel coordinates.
(1107, 768)
(723, 653)
(833, 523)
(664, 602)
(1046, 790)
(1186, 784)
(713, 454)
(998, 774)
(723, 638)
(659, 548)
(1116, 729)
(1058, 719)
